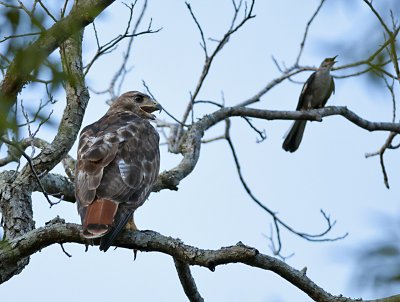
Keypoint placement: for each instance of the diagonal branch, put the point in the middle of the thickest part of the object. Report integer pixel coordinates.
(303, 42)
(320, 237)
(32, 168)
(187, 281)
(286, 75)
(209, 58)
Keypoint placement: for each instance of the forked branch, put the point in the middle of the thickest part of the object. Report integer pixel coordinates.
(57, 231)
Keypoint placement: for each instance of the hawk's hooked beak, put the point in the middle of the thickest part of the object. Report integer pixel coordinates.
(159, 107)
(151, 108)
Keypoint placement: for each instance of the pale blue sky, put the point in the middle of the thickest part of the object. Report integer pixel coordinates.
(211, 209)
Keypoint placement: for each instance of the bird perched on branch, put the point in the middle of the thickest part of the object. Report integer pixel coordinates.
(118, 163)
(315, 93)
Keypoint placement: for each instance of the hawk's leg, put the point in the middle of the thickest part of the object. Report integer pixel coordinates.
(131, 226)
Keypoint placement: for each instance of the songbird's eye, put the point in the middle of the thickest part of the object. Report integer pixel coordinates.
(138, 99)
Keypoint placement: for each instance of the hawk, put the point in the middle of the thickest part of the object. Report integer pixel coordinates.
(118, 163)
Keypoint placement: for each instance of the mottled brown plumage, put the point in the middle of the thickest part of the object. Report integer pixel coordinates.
(118, 163)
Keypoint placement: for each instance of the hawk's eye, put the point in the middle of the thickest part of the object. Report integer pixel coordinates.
(138, 99)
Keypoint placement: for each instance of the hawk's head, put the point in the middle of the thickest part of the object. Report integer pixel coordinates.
(137, 102)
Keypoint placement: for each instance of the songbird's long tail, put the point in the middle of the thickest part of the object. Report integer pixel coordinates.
(294, 137)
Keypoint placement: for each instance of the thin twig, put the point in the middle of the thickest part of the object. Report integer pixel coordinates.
(19, 36)
(29, 160)
(64, 251)
(110, 46)
(32, 16)
(303, 42)
(277, 221)
(380, 152)
(64, 9)
(203, 44)
(369, 3)
(47, 11)
(209, 59)
(261, 133)
(163, 108)
(208, 102)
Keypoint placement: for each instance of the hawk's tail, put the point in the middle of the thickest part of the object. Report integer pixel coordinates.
(294, 137)
(98, 218)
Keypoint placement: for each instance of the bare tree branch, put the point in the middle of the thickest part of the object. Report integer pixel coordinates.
(57, 231)
(110, 46)
(16, 202)
(18, 72)
(190, 146)
(278, 221)
(19, 36)
(16, 187)
(33, 170)
(187, 281)
(47, 11)
(303, 42)
(209, 59)
(286, 75)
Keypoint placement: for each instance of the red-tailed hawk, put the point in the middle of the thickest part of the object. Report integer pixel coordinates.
(118, 163)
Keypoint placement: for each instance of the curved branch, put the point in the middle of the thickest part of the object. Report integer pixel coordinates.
(191, 142)
(57, 231)
(187, 281)
(319, 237)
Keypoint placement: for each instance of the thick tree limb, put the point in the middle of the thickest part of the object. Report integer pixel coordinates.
(15, 195)
(57, 231)
(59, 186)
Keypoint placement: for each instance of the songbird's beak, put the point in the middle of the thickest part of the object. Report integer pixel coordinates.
(333, 59)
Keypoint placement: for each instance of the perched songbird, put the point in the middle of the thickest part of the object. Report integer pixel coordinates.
(315, 93)
(118, 163)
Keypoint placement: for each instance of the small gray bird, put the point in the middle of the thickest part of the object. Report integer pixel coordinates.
(315, 93)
